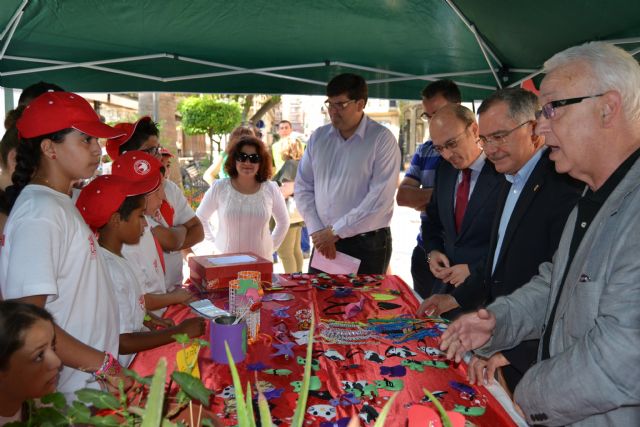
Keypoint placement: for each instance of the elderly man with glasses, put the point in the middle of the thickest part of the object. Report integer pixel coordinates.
(347, 179)
(533, 206)
(417, 185)
(463, 204)
(584, 306)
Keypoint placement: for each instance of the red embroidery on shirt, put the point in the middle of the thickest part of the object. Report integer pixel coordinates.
(92, 246)
(2, 241)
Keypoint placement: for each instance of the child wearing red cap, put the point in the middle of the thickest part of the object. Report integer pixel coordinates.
(114, 207)
(175, 216)
(49, 255)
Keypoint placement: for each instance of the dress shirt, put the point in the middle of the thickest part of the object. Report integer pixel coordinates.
(518, 182)
(476, 168)
(348, 184)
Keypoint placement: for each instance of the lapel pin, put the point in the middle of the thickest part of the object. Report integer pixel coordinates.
(536, 188)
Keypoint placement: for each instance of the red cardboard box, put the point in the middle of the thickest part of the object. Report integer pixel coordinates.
(213, 272)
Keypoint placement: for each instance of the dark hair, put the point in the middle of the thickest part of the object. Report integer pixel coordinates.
(445, 88)
(264, 172)
(285, 121)
(352, 84)
(144, 130)
(521, 104)
(130, 204)
(10, 141)
(15, 319)
(237, 134)
(35, 90)
(28, 157)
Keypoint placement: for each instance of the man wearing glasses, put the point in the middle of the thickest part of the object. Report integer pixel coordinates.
(459, 217)
(584, 305)
(347, 178)
(417, 185)
(533, 206)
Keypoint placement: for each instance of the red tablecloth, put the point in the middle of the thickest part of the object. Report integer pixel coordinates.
(332, 372)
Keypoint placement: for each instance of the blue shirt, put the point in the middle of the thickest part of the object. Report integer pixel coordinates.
(423, 169)
(518, 182)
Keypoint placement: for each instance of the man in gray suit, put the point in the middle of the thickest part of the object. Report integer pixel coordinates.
(584, 306)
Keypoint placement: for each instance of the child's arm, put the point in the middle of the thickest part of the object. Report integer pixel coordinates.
(170, 239)
(157, 301)
(140, 341)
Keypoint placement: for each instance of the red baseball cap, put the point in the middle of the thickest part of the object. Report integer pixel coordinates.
(126, 132)
(165, 152)
(138, 166)
(103, 196)
(55, 111)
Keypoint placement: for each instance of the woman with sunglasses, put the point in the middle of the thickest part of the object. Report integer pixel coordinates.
(245, 202)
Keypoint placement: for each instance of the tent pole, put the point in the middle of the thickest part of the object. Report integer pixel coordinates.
(484, 53)
(375, 70)
(13, 18)
(624, 41)
(527, 77)
(429, 76)
(10, 36)
(472, 29)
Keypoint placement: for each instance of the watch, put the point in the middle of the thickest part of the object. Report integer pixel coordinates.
(429, 257)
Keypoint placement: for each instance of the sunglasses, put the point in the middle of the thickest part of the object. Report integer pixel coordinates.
(154, 151)
(252, 158)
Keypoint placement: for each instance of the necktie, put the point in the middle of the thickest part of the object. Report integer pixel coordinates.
(462, 197)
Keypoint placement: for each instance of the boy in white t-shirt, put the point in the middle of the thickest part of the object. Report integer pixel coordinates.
(114, 207)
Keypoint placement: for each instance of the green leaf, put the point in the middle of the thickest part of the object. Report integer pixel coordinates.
(301, 407)
(207, 423)
(192, 386)
(265, 413)
(241, 407)
(251, 416)
(167, 423)
(80, 413)
(202, 343)
(139, 379)
(49, 416)
(181, 338)
(155, 401)
(446, 422)
(106, 421)
(385, 411)
(56, 399)
(98, 398)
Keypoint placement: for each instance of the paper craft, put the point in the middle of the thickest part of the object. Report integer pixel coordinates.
(342, 264)
(207, 309)
(187, 360)
(231, 259)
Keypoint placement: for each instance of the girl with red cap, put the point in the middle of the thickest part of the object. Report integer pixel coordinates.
(49, 255)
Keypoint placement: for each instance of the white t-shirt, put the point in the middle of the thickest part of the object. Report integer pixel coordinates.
(144, 256)
(127, 286)
(49, 250)
(182, 214)
(244, 218)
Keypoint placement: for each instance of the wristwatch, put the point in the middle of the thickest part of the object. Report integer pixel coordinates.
(429, 257)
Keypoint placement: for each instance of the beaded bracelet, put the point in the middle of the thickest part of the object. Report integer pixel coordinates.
(110, 367)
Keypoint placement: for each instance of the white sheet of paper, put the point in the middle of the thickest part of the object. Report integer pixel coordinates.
(231, 259)
(342, 264)
(207, 309)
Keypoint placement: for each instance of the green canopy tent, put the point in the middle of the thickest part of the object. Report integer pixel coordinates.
(280, 46)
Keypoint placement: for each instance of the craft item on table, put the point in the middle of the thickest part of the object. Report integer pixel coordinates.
(227, 392)
(207, 309)
(321, 394)
(472, 411)
(187, 360)
(403, 329)
(284, 349)
(388, 305)
(360, 388)
(332, 355)
(436, 364)
(301, 337)
(314, 384)
(373, 356)
(353, 309)
(273, 394)
(368, 413)
(258, 366)
(402, 352)
(278, 372)
(304, 318)
(383, 297)
(281, 312)
(315, 363)
(420, 415)
(342, 292)
(353, 367)
(342, 422)
(431, 351)
(347, 399)
(345, 333)
(245, 293)
(327, 412)
(390, 385)
(223, 329)
(393, 371)
(466, 391)
(280, 296)
(281, 332)
(416, 365)
(439, 394)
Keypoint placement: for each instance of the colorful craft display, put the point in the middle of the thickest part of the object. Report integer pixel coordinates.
(245, 295)
(224, 329)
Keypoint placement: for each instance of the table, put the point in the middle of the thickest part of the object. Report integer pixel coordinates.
(361, 365)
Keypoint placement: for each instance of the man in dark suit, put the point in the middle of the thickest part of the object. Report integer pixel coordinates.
(534, 204)
(459, 217)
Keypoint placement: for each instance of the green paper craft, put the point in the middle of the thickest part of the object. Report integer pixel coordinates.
(246, 284)
(279, 372)
(314, 384)
(473, 411)
(391, 385)
(315, 363)
(383, 297)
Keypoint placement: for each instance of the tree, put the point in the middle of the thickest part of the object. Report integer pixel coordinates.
(209, 115)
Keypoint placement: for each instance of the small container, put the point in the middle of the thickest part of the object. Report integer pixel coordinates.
(222, 329)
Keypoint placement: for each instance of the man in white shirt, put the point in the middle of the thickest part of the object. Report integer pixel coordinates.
(347, 179)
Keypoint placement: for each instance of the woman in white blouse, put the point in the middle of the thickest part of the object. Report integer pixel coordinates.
(245, 202)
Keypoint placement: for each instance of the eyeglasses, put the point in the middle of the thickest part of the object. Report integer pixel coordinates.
(341, 105)
(252, 158)
(499, 138)
(425, 117)
(154, 151)
(450, 144)
(549, 109)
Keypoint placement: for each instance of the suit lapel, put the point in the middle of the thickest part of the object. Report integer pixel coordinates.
(448, 189)
(485, 183)
(495, 227)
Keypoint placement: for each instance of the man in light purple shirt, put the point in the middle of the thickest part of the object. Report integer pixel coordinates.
(347, 180)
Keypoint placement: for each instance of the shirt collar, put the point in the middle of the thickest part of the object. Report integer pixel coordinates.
(360, 131)
(525, 171)
(478, 164)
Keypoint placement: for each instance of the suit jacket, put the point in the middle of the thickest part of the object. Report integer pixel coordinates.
(531, 237)
(592, 376)
(470, 246)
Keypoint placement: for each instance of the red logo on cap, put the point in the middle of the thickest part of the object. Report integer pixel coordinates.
(141, 167)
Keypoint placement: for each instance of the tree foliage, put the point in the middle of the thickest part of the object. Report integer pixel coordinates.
(209, 115)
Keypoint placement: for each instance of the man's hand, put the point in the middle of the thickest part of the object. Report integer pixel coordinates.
(456, 275)
(469, 332)
(437, 304)
(483, 370)
(438, 264)
(324, 241)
